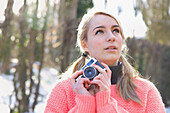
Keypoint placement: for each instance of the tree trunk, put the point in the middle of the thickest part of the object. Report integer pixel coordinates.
(41, 56)
(5, 41)
(22, 68)
(66, 31)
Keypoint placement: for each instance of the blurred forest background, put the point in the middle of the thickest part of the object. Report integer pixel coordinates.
(36, 39)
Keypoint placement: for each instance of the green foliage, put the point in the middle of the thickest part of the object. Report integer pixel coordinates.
(83, 5)
(157, 18)
(28, 31)
(36, 22)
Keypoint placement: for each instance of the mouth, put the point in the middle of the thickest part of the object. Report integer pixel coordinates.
(111, 48)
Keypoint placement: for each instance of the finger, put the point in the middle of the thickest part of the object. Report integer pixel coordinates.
(103, 79)
(82, 81)
(99, 69)
(102, 71)
(74, 76)
(108, 71)
(100, 77)
(99, 83)
(87, 85)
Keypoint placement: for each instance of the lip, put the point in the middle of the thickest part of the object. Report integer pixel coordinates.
(112, 46)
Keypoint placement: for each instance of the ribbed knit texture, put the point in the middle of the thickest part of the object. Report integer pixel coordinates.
(63, 100)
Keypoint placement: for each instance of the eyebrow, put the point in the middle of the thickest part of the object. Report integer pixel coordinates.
(104, 27)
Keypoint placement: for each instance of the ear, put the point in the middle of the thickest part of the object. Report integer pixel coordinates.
(84, 46)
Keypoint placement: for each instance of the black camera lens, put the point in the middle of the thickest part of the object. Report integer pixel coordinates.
(89, 72)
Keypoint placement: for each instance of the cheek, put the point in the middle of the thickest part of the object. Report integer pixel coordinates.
(93, 46)
(95, 43)
(120, 44)
(120, 41)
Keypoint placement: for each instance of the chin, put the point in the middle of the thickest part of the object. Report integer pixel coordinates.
(110, 62)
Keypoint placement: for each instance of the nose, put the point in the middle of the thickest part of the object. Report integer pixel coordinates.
(111, 37)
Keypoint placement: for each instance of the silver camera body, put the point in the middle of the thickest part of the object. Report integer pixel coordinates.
(89, 71)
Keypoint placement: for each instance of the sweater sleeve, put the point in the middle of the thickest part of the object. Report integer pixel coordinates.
(154, 101)
(107, 104)
(58, 102)
(84, 104)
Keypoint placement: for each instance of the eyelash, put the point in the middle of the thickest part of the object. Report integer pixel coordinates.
(100, 31)
(116, 30)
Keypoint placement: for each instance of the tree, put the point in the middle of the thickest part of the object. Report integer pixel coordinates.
(68, 13)
(67, 21)
(41, 58)
(31, 49)
(157, 18)
(152, 64)
(5, 39)
(83, 5)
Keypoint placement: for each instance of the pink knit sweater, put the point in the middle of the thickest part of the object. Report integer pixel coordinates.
(63, 100)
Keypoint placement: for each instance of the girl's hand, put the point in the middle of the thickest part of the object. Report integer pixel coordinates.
(79, 84)
(103, 80)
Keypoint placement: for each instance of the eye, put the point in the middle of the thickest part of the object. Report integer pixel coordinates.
(116, 30)
(98, 32)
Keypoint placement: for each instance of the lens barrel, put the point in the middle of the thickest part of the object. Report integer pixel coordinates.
(90, 72)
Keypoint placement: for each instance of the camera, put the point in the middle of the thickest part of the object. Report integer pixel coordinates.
(89, 71)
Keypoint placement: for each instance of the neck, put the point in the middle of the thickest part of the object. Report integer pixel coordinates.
(113, 64)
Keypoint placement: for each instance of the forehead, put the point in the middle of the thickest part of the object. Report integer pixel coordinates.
(101, 19)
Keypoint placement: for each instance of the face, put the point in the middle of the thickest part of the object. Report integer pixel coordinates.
(104, 41)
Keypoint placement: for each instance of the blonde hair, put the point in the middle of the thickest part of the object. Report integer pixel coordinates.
(125, 85)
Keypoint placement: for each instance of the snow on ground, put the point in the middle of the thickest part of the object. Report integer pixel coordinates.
(6, 89)
(48, 80)
(167, 109)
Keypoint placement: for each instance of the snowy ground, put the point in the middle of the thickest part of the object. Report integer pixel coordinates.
(167, 110)
(48, 80)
